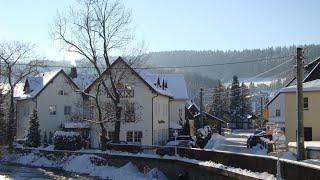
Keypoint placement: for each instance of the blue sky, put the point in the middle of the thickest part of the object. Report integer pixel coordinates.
(180, 24)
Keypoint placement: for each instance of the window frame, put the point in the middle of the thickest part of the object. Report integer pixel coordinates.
(305, 103)
(278, 112)
(64, 110)
(137, 136)
(129, 136)
(52, 112)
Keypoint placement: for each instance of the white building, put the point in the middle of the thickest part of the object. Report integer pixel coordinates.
(152, 104)
(53, 95)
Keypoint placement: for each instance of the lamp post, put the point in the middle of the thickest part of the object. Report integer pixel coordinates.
(175, 134)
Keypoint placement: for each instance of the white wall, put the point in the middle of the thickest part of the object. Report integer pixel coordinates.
(142, 97)
(175, 106)
(277, 103)
(49, 96)
(160, 120)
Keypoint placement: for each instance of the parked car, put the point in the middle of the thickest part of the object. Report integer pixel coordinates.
(182, 141)
(254, 139)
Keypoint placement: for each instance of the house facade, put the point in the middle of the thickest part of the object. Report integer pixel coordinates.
(148, 121)
(282, 111)
(152, 104)
(53, 95)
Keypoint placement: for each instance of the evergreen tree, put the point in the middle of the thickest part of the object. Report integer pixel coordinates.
(235, 102)
(34, 137)
(45, 139)
(219, 106)
(245, 103)
(3, 122)
(50, 138)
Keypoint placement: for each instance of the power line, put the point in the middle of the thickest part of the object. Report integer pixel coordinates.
(166, 67)
(250, 79)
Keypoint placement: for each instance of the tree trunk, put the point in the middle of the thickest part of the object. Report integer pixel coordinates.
(117, 124)
(103, 139)
(11, 122)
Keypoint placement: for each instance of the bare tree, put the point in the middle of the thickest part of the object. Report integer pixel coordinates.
(94, 29)
(18, 61)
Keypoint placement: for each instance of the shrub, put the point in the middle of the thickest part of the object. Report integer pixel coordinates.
(67, 141)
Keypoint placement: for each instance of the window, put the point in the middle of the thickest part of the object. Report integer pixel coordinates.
(129, 114)
(67, 110)
(308, 133)
(134, 136)
(277, 112)
(137, 136)
(129, 136)
(305, 103)
(53, 110)
(61, 92)
(111, 135)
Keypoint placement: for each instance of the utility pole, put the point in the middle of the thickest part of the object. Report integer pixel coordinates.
(300, 126)
(201, 107)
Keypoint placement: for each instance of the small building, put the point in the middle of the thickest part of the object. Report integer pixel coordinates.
(282, 107)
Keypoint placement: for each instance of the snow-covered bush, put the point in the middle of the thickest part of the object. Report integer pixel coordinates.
(203, 135)
(67, 140)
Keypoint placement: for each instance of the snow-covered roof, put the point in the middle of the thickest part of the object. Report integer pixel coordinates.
(176, 84)
(37, 83)
(76, 125)
(64, 133)
(307, 86)
(84, 80)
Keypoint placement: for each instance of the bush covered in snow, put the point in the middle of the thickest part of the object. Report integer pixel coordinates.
(203, 135)
(67, 141)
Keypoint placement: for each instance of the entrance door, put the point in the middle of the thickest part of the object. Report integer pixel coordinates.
(308, 133)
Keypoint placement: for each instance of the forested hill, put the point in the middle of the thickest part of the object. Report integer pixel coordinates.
(225, 72)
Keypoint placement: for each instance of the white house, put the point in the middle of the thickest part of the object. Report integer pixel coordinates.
(176, 85)
(53, 95)
(157, 100)
(152, 103)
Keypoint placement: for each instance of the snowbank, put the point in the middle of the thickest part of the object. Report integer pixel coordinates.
(89, 164)
(215, 141)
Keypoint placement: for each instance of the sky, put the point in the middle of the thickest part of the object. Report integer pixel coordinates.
(166, 25)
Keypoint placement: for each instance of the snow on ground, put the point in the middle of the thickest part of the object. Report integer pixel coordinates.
(307, 144)
(87, 164)
(233, 144)
(242, 132)
(288, 155)
(312, 161)
(264, 175)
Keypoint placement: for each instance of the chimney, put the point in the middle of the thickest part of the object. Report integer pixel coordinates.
(158, 82)
(163, 84)
(166, 84)
(73, 73)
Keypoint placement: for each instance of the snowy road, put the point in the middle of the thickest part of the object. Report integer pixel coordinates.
(234, 144)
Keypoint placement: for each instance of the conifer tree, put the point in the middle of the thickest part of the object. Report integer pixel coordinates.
(50, 138)
(34, 137)
(219, 106)
(245, 102)
(235, 102)
(45, 139)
